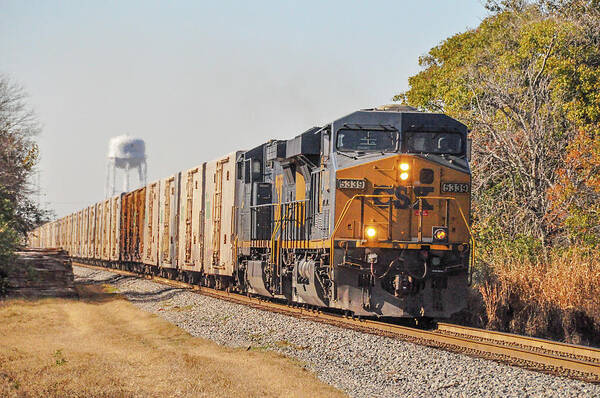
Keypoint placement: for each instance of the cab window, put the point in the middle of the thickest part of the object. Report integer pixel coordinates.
(434, 142)
(366, 140)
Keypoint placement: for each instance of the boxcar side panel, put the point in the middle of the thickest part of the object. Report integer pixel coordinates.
(219, 233)
(139, 207)
(105, 231)
(152, 224)
(169, 207)
(115, 228)
(191, 219)
(92, 232)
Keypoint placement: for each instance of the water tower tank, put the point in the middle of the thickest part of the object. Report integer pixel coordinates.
(125, 153)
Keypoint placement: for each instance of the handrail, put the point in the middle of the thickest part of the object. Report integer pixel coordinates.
(342, 215)
(472, 238)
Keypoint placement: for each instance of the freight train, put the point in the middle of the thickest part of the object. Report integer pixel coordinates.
(369, 215)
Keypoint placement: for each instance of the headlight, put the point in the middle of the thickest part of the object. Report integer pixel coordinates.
(404, 166)
(370, 232)
(404, 176)
(440, 234)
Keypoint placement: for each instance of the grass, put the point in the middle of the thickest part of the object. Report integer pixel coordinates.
(103, 346)
(556, 297)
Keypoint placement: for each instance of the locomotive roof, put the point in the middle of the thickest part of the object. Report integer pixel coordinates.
(403, 119)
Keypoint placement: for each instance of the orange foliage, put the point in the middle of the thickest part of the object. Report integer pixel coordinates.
(556, 298)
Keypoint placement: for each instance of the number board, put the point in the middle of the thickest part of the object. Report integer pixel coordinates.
(349, 183)
(455, 187)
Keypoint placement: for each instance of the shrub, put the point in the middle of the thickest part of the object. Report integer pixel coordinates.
(553, 296)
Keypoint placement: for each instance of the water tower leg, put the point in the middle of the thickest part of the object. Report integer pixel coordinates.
(142, 170)
(114, 178)
(107, 187)
(126, 179)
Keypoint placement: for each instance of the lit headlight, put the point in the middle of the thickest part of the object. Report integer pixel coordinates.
(404, 166)
(440, 234)
(404, 176)
(370, 232)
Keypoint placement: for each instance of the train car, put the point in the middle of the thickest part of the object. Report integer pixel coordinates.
(55, 233)
(104, 241)
(48, 234)
(133, 207)
(60, 242)
(42, 238)
(115, 230)
(168, 221)
(368, 214)
(69, 243)
(191, 221)
(152, 224)
(33, 237)
(85, 223)
(92, 210)
(97, 232)
(220, 197)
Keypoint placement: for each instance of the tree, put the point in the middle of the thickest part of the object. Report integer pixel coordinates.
(526, 82)
(18, 157)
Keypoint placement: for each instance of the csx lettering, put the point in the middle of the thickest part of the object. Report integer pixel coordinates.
(400, 199)
(420, 192)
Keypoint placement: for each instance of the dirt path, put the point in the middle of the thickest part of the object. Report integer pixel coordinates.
(102, 346)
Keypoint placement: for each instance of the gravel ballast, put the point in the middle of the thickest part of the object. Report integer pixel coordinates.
(361, 364)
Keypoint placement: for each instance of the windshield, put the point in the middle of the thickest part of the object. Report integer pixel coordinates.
(366, 140)
(430, 142)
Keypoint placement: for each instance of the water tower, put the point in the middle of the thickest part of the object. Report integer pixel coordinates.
(125, 153)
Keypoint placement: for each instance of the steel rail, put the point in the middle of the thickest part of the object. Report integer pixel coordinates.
(564, 349)
(514, 349)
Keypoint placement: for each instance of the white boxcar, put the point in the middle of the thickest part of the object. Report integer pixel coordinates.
(97, 231)
(85, 227)
(169, 207)
(191, 219)
(115, 228)
(69, 244)
(219, 199)
(152, 224)
(77, 242)
(104, 230)
(91, 231)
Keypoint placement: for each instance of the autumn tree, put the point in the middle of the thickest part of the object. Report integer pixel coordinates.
(18, 157)
(526, 82)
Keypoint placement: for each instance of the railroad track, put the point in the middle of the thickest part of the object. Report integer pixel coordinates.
(546, 356)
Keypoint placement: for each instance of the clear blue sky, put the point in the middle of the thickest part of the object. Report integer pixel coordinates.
(200, 79)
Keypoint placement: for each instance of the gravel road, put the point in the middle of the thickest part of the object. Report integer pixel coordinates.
(360, 364)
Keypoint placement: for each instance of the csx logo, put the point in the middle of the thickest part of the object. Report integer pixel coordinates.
(400, 199)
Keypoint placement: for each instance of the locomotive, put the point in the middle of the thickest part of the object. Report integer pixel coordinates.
(369, 214)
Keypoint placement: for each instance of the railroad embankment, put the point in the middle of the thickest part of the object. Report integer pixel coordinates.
(103, 346)
(360, 364)
(553, 296)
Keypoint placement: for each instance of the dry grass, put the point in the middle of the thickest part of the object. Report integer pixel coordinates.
(102, 346)
(554, 298)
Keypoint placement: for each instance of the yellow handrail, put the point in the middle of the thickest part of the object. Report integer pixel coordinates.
(342, 215)
(462, 214)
